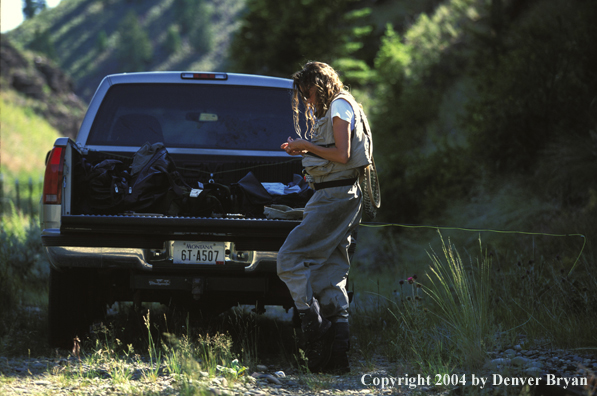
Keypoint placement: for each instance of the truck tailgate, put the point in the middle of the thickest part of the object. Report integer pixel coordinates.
(150, 231)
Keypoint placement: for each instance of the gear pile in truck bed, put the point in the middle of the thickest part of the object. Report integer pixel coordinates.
(152, 184)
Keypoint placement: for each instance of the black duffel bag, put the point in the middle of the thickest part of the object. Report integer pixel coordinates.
(155, 185)
(105, 185)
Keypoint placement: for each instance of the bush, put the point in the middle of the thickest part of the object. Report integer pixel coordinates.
(23, 266)
(201, 35)
(173, 40)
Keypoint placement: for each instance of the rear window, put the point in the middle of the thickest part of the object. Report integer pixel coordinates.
(194, 116)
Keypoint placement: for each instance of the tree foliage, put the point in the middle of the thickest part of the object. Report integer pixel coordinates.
(535, 112)
(419, 166)
(201, 35)
(185, 12)
(173, 40)
(101, 42)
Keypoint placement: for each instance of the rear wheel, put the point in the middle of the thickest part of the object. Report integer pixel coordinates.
(74, 303)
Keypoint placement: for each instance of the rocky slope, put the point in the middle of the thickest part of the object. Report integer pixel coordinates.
(41, 86)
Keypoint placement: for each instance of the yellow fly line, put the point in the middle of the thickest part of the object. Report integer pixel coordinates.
(379, 225)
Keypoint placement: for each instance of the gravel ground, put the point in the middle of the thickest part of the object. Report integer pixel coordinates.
(69, 376)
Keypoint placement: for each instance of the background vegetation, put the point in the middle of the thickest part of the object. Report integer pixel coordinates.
(484, 114)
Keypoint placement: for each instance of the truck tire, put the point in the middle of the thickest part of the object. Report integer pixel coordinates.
(72, 306)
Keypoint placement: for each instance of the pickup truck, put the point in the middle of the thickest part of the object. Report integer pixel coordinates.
(216, 127)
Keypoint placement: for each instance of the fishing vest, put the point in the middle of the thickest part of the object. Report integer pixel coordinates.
(361, 144)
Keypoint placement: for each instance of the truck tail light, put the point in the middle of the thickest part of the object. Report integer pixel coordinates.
(53, 177)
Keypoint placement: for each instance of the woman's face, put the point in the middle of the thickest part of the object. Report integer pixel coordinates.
(309, 96)
(312, 95)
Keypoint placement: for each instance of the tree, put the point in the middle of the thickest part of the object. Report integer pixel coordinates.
(278, 37)
(33, 7)
(194, 19)
(201, 34)
(185, 13)
(134, 49)
(102, 41)
(173, 40)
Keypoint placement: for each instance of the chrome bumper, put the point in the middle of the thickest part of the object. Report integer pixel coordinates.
(133, 258)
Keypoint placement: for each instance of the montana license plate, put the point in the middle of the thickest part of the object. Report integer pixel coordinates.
(185, 252)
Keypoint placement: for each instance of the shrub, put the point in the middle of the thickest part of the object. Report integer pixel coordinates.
(23, 267)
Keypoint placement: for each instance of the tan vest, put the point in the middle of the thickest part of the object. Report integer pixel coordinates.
(361, 146)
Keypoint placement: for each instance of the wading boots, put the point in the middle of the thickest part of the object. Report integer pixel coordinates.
(338, 363)
(319, 336)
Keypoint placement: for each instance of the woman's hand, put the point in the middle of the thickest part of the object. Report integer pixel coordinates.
(295, 147)
(340, 152)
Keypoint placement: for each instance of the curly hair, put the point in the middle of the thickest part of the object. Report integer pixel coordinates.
(328, 84)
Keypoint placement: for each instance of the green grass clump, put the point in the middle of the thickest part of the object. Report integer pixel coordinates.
(462, 299)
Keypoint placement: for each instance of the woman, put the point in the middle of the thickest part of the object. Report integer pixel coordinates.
(314, 260)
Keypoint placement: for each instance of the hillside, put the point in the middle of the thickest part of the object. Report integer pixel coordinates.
(84, 36)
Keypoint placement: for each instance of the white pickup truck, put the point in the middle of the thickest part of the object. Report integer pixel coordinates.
(216, 127)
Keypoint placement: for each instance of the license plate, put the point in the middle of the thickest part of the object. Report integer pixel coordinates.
(186, 252)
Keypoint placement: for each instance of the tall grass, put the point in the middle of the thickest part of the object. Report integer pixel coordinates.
(462, 299)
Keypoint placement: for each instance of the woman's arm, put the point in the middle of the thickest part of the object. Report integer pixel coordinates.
(338, 153)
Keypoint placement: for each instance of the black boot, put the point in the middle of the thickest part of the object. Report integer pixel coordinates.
(338, 363)
(319, 336)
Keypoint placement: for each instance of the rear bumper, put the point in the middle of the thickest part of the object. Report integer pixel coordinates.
(130, 256)
(145, 260)
(142, 242)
